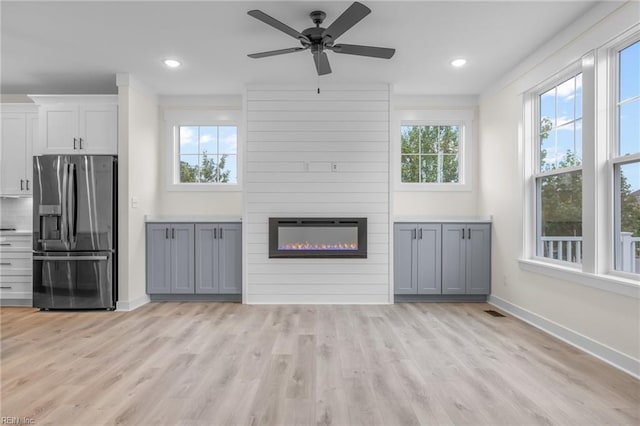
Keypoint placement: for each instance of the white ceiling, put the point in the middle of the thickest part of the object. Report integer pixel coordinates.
(78, 47)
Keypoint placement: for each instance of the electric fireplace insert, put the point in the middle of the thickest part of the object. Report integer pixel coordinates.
(318, 237)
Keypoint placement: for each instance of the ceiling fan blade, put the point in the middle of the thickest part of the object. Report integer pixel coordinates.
(261, 16)
(354, 49)
(276, 52)
(348, 19)
(322, 63)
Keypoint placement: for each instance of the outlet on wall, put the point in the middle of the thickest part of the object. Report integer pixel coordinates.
(134, 202)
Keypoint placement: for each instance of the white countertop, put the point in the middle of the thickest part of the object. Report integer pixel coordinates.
(440, 219)
(190, 218)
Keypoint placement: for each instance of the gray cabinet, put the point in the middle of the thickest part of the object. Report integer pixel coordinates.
(417, 258)
(466, 258)
(188, 258)
(170, 258)
(442, 259)
(218, 258)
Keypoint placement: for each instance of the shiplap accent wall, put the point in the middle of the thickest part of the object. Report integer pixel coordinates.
(293, 137)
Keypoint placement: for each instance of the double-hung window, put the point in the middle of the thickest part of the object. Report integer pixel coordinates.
(558, 170)
(626, 160)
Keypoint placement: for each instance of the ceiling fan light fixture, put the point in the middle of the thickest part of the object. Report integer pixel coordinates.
(172, 63)
(458, 62)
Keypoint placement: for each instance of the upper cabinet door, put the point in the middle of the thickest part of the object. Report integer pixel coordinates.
(33, 130)
(77, 124)
(98, 129)
(12, 155)
(59, 129)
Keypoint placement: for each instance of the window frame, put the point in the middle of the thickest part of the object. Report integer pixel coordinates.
(202, 117)
(537, 175)
(599, 127)
(464, 119)
(615, 159)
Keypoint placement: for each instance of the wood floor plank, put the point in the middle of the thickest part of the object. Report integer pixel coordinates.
(202, 364)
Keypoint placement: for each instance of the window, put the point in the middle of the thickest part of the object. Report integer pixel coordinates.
(203, 149)
(208, 154)
(430, 154)
(626, 161)
(433, 149)
(558, 177)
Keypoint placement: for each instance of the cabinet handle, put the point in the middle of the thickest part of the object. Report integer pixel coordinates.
(215, 233)
(21, 185)
(5, 244)
(469, 233)
(27, 184)
(166, 233)
(463, 233)
(80, 142)
(6, 287)
(420, 233)
(220, 233)
(173, 233)
(74, 143)
(413, 234)
(5, 264)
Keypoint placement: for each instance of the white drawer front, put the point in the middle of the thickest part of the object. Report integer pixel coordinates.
(4, 279)
(15, 243)
(15, 288)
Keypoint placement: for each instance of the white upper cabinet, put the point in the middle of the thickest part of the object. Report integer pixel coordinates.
(19, 132)
(78, 124)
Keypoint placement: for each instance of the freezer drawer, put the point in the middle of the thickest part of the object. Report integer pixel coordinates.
(74, 280)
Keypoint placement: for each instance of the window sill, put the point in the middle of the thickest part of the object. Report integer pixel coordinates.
(204, 187)
(610, 283)
(432, 187)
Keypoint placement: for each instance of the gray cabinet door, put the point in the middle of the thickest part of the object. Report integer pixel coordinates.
(405, 258)
(206, 258)
(429, 277)
(478, 258)
(182, 258)
(158, 258)
(230, 258)
(453, 258)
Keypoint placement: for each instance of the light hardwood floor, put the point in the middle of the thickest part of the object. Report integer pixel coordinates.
(223, 363)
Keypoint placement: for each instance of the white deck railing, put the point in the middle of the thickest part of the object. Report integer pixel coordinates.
(569, 249)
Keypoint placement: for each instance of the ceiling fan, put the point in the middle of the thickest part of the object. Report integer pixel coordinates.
(318, 39)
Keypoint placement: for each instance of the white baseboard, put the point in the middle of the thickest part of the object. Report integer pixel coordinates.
(603, 352)
(130, 305)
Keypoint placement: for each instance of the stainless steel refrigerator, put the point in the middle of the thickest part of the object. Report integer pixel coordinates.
(74, 231)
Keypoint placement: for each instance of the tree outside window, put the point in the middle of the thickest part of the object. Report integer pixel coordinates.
(430, 154)
(208, 154)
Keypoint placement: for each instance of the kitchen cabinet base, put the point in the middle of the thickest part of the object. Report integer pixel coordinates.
(196, 297)
(16, 302)
(402, 298)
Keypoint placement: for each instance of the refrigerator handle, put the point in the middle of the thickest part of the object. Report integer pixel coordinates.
(72, 209)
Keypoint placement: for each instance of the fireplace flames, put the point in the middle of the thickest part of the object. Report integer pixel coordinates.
(309, 246)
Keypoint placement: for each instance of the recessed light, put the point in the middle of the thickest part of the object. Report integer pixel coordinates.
(458, 62)
(172, 63)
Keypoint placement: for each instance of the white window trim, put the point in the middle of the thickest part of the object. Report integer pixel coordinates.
(459, 117)
(200, 117)
(596, 270)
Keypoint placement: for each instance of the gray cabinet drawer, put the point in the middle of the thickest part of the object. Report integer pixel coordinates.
(15, 243)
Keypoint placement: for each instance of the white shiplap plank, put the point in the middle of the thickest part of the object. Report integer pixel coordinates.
(306, 298)
(321, 289)
(315, 105)
(322, 116)
(310, 94)
(312, 187)
(319, 136)
(284, 127)
(319, 155)
(306, 197)
(319, 177)
(263, 259)
(299, 166)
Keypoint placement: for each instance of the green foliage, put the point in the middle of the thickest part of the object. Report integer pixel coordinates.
(207, 171)
(429, 154)
(630, 208)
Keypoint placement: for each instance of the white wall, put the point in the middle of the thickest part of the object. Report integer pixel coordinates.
(434, 203)
(288, 126)
(603, 322)
(223, 203)
(138, 172)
